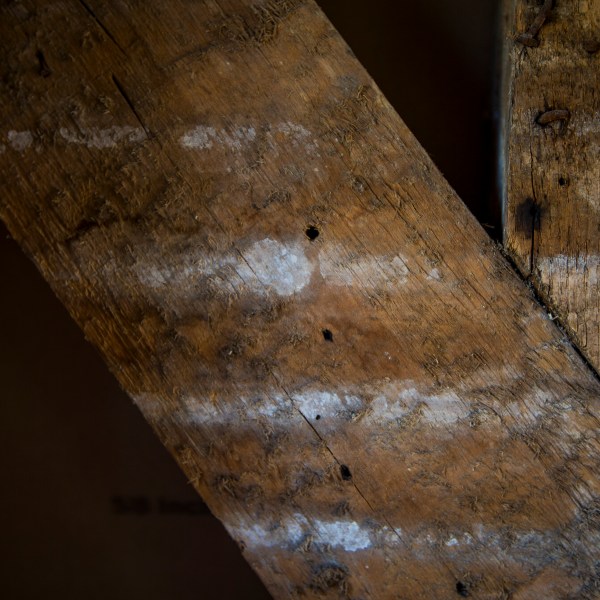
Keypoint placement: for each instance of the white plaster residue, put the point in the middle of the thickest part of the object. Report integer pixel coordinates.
(262, 267)
(327, 408)
(383, 409)
(444, 409)
(204, 137)
(276, 408)
(351, 536)
(347, 535)
(201, 137)
(20, 140)
(201, 413)
(367, 271)
(236, 138)
(94, 137)
(298, 135)
(395, 404)
(293, 130)
(326, 405)
(283, 268)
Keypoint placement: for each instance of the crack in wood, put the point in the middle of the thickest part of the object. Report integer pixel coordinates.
(130, 104)
(110, 36)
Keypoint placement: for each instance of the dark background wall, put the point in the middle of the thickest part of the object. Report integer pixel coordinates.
(91, 504)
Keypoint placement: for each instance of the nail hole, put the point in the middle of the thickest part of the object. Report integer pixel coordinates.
(312, 233)
(345, 471)
(462, 589)
(318, 417)
(562, 181)
(327, 335)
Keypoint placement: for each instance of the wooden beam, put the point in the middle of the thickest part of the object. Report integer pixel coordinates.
(552, 158)
(341, 361)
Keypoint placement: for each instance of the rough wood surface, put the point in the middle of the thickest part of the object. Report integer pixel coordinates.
(552, 170)
(379, 411)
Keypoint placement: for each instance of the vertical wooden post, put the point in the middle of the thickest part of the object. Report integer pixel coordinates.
(552, 158)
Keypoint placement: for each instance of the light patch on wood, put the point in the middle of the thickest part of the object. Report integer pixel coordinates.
(267, 266)
(20, 140)
(345, 534)
(281, 267)
(94, 137)
(206, 137)
(573, 270)
(262, 267)
(398, 402)
(365, 271)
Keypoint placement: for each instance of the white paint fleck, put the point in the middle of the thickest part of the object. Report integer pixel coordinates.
(94, 137)
(20, 140)
(452, 542)
(367, 271)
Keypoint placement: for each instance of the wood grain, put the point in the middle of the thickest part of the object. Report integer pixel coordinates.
(552, 159)
(381, 410)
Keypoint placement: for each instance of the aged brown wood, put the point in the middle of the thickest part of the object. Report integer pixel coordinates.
(340, 359)
(552, 159)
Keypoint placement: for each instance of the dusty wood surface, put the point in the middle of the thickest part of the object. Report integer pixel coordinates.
(552, 172)
(381, 411)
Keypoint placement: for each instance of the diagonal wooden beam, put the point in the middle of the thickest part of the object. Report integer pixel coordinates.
(339, 358)
(552, 158)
